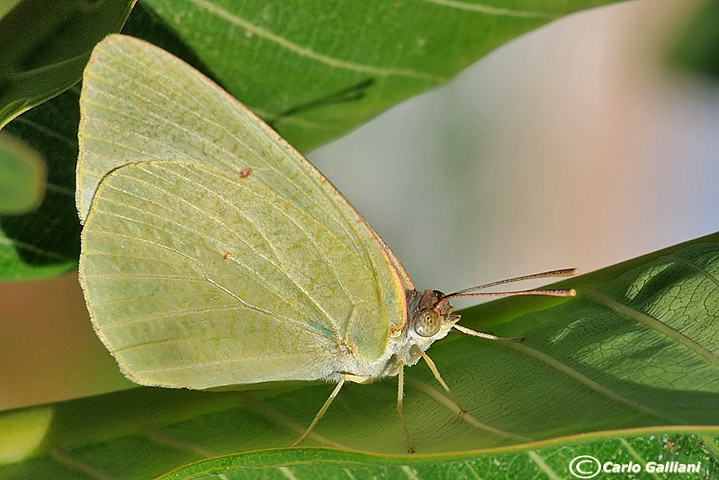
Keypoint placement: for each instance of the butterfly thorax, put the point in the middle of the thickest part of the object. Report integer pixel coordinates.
(428, 319)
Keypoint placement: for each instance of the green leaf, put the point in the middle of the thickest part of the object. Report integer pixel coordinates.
(637, 348)
(22, 177)
(45, 45)
(698, 44)
(45, 242)
(8, 5)
(314, 70)
(645, 451)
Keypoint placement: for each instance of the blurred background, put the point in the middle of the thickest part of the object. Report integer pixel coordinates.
(581, 144)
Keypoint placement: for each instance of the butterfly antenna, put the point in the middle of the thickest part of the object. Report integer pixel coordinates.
(472, 291)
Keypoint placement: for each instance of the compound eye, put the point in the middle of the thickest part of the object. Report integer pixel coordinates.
(427, 323)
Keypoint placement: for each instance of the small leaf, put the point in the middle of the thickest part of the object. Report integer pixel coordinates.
(697, 47)
(45, 45)
(22, 177)
(23, 431)
(636, 349)
(45, 242)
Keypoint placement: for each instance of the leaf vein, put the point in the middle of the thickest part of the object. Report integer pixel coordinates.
(584, 380)
(653, 323)
(488, 10)
(311, 54)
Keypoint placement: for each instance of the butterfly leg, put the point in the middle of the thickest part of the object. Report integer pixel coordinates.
(436, 374)
(328, 402)
(400, 407)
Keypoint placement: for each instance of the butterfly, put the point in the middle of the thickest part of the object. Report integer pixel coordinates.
(215, 255)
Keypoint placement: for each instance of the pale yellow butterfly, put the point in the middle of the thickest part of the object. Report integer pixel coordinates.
(214, 255)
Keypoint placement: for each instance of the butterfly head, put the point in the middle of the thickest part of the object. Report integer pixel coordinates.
(432, 314)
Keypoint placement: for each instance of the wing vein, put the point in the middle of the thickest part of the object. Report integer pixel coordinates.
(243, 302)
(280, 270)
(208, 120)
(197, 262)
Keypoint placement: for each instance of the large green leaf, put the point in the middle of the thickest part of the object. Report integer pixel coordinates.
(637, 348)
(315, 69)
(45, 45)
(312, 69)
(647, 453)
